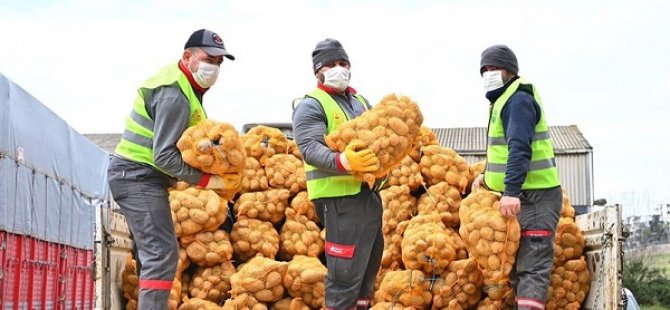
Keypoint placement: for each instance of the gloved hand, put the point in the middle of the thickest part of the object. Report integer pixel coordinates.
(359, 161)
(225, 182)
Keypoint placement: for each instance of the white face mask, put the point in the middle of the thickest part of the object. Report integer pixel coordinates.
(337, 78)
(206, 75)
(492, 80)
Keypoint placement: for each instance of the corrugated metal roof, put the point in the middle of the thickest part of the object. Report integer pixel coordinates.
(472, 140)
(106, 141)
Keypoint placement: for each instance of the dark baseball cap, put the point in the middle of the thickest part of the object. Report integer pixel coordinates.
(210, 42)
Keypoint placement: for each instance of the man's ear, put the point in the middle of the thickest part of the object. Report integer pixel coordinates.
(186, 55)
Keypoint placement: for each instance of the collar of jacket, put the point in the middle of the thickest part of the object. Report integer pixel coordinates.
(331, 91)
(189, 76)
(493, 95)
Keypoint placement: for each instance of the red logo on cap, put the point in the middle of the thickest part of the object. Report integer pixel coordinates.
(216, 38)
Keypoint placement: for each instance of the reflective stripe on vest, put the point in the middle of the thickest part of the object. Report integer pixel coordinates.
(137, 140)
(320, 183)
(542, 171)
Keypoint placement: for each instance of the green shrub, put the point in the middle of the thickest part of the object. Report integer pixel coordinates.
(649, 284)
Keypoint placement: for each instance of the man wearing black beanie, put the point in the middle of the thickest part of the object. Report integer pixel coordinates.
(350, 211)
(520, 164)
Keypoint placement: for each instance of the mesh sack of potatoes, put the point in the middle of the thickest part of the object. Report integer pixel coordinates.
(569, 242)
(130, 286)
(198, 304)
(490, 304)
(491, 239)
(377, 295)
(130, 281)
(426, 245)
(208, 248)
(286, 171)
(569, 285)
(408, 288)
(426, 138)
(566, 208)
(408, 173)
(442, 164)
(457, 242)
(175, 294)
(267, 205)
(289, 303)
(392, 254)
(301, 205)
(390, 306)
(131, 304)
(253, 177)
(261, 278)
(212, 147)
(261, 142)
(299, 236)
(185, 284)
(184, 261)
(443, 198)
(244, 301)
(195, 210)
(212, 283)
(251, 237)
(461, 282)
(399, 205)
(305, 279)
(293, 149)
(388, 130)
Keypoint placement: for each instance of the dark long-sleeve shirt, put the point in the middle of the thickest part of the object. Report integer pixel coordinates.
(519, 116)
(170, 110)
(310, 125)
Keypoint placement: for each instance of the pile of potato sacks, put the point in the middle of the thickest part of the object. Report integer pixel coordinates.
(443, 248)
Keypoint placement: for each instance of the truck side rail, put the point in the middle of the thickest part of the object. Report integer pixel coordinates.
(603, 233)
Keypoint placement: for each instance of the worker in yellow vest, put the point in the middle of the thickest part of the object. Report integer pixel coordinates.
(146, 161)
(350, 211)
(520, 164)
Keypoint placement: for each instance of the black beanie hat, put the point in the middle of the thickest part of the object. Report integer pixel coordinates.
(326, 51)
(499, 56)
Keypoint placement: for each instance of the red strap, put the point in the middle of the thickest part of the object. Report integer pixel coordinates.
(530, 303)
(204, 180)
(156, 285)
(338, 161)
(537, 233)
(331, 91)
(340, 250)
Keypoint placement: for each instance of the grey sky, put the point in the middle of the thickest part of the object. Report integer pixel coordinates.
(601, 65)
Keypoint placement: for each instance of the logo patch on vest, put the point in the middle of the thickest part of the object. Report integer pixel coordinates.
(338, 118)
(197, 117)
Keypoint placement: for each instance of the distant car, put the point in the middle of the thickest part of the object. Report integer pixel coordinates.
(629, 302)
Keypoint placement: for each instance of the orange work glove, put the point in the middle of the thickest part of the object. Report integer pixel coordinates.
(227, 181)
(359, 161)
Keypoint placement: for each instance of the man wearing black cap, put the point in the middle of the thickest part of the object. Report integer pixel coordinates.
(520, 164)
(350, 211)
(146, 161)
